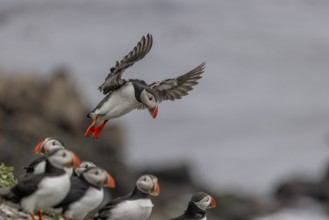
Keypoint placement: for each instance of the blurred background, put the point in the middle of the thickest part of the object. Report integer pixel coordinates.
(254, 132)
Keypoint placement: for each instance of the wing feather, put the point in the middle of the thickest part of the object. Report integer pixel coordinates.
(114, 80)
(176, 88)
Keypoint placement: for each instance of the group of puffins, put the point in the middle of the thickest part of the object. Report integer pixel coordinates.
(58, 182)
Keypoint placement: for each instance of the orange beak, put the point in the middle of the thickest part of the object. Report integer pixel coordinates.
(154, 111)
(75, 162)
(156, 190)
(37, 149)
(109, 181)
(213, 203)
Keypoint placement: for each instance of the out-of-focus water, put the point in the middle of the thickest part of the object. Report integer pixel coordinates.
(259, 115)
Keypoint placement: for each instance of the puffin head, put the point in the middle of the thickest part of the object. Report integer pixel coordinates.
(83, 166)
(62, 158)
(149, 99)
(148, 184)
(47, 145)
(98, 177)
(203, 200)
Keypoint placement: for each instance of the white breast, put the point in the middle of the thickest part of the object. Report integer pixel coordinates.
(51, 191)
(132, 210)
(119, 103)
(90, 201)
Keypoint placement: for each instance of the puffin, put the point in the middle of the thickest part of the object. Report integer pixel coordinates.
(86, 193)
(38, 165)
(197, 206)
(43, 190)
(135, 206)
(123, 96)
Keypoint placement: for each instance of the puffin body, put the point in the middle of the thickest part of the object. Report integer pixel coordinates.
(124, 96)
(86, 193)
(132, 210)
(135, 206)
(196, 209)
(117, 103)
(46, 189)
(50, 191)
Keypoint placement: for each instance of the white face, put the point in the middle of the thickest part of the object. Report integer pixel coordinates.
(94, 175)
(148, 99)
(50, 144)
(61, 158)
(148, 184)
(98, 177)
(204, 203)
(83, 166)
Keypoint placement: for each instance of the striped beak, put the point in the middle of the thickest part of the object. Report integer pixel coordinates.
(74, 162)
(156, 189)
(108, 181)
(213, 203)
(153, 111)
(37, 149)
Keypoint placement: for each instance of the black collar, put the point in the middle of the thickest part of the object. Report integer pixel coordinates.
(194, 212)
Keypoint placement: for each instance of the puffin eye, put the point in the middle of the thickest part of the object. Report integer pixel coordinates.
(53, 142)
(96, 172)
(64, 154)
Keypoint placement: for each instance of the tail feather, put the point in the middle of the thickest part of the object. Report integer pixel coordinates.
(7, 194)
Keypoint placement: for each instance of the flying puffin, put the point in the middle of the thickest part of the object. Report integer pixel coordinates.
(86, 193)
(40, 191)
(135, 206)
(125, 95)
(39, 164)
(197, 207)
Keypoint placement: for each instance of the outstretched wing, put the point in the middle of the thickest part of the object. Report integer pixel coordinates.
(114, 80)
(171, 89)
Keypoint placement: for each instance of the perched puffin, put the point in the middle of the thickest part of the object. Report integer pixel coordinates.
(125, 95)
(86, 193)
(197, 207)
(40, 191)
(39, 164)
(135, 206)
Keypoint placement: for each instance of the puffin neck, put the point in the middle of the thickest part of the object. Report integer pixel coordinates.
(51, 170)
(138, 87)
(194, 211)
(137, 194)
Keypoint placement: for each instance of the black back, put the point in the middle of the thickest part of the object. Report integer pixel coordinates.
(192, 212)
(77, 190)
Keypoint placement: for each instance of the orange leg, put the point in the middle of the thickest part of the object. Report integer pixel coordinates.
(91, 128)
(32, 216)
(40, 214)
(97, 131)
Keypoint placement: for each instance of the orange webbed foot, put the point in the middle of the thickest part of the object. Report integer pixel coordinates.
(91, 128)
(97, 131)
